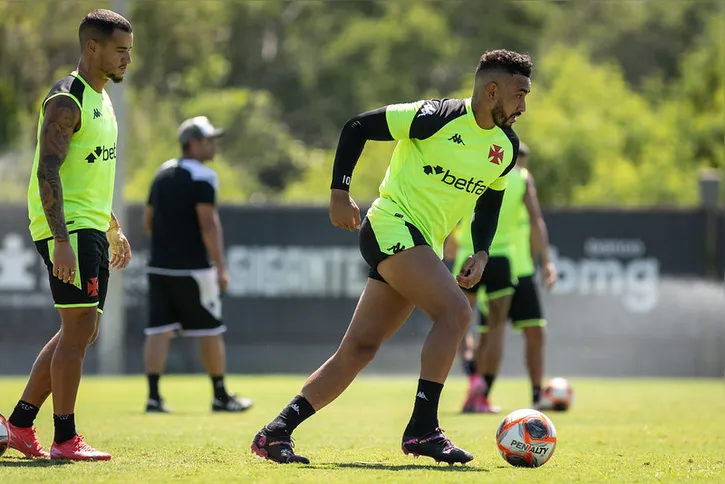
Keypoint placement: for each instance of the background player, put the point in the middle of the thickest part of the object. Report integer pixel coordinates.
(435, 176)
(497, 280)
(72, 225)
(525, 310)
(530, 246)
(184, 288)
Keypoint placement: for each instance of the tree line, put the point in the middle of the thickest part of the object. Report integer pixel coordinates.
(626, 107)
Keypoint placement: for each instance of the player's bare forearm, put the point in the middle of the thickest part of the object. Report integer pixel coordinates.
(113, 223)
(62, 115)
(539, 233)
(542, 244)
(51, 195)
(148, 218)
(213, 236)
(534, 245)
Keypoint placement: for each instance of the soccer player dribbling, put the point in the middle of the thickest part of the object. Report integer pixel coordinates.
(451, 155)
(69, 204)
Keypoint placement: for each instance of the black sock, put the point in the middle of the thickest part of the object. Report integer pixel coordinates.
(425, 412)
(153, 379)
(469, 366)
(489, 379)
(65, 427)
(298, 410)
(24, 414)
(536, 392)
(220, 392)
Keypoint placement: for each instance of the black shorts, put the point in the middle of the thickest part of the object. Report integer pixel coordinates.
(497, 279)
(526, 305)
(188, 304)
(525, 311)
(91, 283)
(390, 236)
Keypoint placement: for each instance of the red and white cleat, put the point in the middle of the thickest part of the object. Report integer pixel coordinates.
(76, 449)
(25, 440)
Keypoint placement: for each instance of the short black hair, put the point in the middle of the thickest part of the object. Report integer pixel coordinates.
(506, 60)
(100, 25)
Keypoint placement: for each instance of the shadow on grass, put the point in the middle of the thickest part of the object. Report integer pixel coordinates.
(28, 462)
(171, 414)
(399, 467)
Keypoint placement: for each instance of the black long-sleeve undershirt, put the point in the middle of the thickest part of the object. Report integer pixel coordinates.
(370, 125)
(485, 219)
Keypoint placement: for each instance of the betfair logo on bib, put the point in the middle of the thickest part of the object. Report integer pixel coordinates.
(102, 153)
(469, 186)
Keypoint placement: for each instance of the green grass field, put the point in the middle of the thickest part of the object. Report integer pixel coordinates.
(627, 430)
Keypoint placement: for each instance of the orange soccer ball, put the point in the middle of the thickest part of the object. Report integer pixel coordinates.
(557, 395)
(526, 438)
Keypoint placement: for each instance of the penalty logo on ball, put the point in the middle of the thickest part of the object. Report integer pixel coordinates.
(526, 438)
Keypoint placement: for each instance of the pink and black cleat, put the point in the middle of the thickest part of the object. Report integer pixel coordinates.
(437, 446)
(277, 448)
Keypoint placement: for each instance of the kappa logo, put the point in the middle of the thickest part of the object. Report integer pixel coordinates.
(456, 138)
(396, 248)
(469, 186)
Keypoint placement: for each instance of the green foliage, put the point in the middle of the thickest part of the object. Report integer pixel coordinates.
(314, 185)
(594, 141)
(9, 115)
(172, 58)
(646, 37)
(626, 108)
(259, 144)
(702, 93)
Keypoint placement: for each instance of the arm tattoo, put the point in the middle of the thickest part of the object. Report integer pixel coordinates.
(62, 115)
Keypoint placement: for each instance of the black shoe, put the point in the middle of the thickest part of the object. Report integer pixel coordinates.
(277, 448)
(437, 446)
(156, 406)
(233, 403)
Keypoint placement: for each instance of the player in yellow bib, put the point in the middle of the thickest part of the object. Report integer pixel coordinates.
(69, 206)
(451, 155)
(512, 242)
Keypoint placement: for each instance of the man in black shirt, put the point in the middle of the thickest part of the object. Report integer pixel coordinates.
(184, 287)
